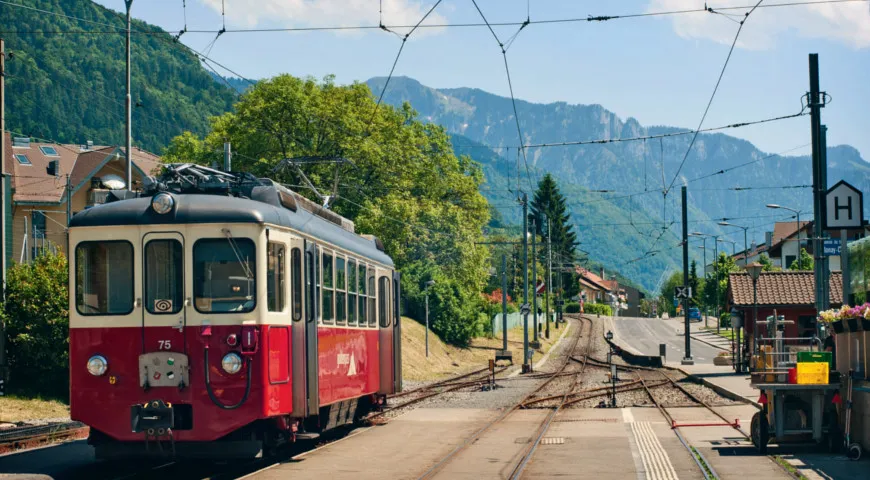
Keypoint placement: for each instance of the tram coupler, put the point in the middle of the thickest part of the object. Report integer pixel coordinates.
(158, 436)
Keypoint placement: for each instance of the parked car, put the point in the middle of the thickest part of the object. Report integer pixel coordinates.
(694, 314)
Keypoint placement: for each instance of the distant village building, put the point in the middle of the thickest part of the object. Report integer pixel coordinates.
(39, 173)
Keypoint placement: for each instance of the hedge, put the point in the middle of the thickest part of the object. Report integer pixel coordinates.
(597, 309)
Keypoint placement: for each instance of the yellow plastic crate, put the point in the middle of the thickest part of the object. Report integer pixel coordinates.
(812, 373)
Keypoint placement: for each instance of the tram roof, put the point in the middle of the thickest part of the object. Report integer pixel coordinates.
(203, 208)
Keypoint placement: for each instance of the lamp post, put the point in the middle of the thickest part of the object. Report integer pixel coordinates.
(745, 243)
(733, 245)
(429, 284)
(609, 337)
(754, 270)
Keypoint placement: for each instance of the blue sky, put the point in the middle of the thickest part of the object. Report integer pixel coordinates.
(659, 70)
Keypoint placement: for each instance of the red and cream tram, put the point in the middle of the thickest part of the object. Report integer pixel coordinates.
(222, 315)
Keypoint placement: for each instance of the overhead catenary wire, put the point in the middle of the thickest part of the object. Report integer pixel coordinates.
(337, 28)
(712, 96)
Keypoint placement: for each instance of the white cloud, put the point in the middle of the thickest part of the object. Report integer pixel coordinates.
(317, 13)
(847, 23)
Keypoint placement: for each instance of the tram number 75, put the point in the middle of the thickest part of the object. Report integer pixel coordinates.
(164, 344)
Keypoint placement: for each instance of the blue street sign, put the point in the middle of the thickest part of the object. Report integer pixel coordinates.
(676, 302)
(832, 247)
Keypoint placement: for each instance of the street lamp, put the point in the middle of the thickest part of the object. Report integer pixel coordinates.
(797, 213)
(754, 270)
(745, 244)
(429, 284)
(609, 337)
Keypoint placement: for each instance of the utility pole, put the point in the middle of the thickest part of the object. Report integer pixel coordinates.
(535, 343)
(3, 193)
(526, 365)
(716, 279)
(687, 360)
(814, 101)
(129, 107)
(549, 277)
(504, 322)
(823, 170)
(228, 157)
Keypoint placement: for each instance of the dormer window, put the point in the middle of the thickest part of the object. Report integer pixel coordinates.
(48, 151)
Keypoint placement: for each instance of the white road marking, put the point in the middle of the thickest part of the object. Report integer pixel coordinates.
(655, 459)
(627, 416)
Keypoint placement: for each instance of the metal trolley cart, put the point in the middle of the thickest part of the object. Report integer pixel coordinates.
(797, 403)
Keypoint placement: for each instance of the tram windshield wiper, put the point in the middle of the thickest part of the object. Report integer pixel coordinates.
(244, 263)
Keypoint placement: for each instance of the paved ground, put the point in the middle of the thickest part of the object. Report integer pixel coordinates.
(644, 335)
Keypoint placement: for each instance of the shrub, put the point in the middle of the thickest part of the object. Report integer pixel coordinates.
(597, 309)
(725, 320)
(572, 307)
(37, 326)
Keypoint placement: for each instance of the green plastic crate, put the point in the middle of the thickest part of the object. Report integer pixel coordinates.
(815, 357)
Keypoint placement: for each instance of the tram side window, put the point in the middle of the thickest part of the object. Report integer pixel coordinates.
(275, 277)
(383, 301)
(296, 279)
(224, 275)
(340, 290)
(164, 280)
(351, 292)
(372, 293)
(104, 278)
(328, 308)
(361, 281)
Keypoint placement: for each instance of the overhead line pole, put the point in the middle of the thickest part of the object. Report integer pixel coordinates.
(128, 105)
(526, 366)
(814, 102)
(3, 194)
(687, 360)
(549, 277)
(535, 343)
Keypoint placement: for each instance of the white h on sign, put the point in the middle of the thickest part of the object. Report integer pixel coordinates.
(845, 206)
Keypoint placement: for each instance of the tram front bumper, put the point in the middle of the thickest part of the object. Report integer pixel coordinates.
(152, 417)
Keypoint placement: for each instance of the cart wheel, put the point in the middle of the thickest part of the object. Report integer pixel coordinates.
(854, 452)
(760, 432)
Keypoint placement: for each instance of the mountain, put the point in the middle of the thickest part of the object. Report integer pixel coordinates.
(615, 228)
(70, 87)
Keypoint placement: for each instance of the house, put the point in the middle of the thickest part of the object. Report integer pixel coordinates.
(632, 300)
(593, 288)
(788, 293)
(39, 175)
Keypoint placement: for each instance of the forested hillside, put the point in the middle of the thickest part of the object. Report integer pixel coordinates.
(70, 87)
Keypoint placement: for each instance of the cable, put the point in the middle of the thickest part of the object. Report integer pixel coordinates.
(710, 102)
(507, 70)
(587, 19)
(645, 137)
(726, 170)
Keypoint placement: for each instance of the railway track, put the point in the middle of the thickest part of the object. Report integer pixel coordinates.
(526, 455)
(21, 438)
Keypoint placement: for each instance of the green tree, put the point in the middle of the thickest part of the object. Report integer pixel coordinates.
(667, 293)
(36, 314)
(696, 283)
(398, 179)
(722, 267)
(803, 262)
(550, 214)
(766, 264)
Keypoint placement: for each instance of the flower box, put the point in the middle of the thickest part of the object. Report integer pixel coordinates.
(852, 324)
(723, 360)
(838, 326)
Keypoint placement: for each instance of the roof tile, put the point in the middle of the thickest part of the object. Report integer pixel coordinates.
(782, 288)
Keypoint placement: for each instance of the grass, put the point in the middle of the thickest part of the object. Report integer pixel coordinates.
(709, 472)
(17, 409)
(447, 360)
(788, 467)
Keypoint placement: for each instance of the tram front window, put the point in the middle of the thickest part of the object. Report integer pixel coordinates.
(104, 278)
(224, 275)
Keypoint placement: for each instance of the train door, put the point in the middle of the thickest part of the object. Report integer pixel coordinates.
(385, 333)
(312, 273)
(163, 309)
(163, 316)
(397, 332)
(298, 313)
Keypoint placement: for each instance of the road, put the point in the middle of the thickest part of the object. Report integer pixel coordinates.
(645, 335)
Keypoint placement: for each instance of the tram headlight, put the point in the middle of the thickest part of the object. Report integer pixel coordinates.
(97, 365)
(162, 202)
(232, 363)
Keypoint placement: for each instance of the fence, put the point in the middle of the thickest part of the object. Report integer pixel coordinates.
(516, 320)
